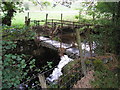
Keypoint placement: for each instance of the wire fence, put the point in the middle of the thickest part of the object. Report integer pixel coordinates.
(70, 76)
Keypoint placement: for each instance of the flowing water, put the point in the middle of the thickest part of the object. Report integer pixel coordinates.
(57, 72)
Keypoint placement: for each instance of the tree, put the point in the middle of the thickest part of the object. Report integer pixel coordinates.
(66, 3)
(41, 3)
(9, 9)
(110, 7)
(26, 6)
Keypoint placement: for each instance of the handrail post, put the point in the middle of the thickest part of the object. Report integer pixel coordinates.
(52, 23)
(73, 25)
(46, 19)
(79, 15)
(27, 21)
(28, 15)
(61, 20)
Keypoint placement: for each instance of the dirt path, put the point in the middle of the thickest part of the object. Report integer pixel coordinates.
(85, 81)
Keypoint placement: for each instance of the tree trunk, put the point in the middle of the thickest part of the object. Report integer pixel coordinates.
(10, 13)
(81, 52)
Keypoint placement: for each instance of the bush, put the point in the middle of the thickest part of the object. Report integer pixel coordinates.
(13, 66)
(98, 65)
(105, 79)
(17, 33)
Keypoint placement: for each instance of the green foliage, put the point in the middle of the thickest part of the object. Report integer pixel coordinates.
(87, 62)
(83, 28)
(46, 3)
(9, 9)
(16, 67)
(17, 33)
(7, 45)
(109, 7)
(11, 5)
(76, 16)
(95, 64)
(98, 65)
(13, 66)
(56, 38)
(53, 86)
(107, 38)
(26, 5)
(105, 79)
(32, 63)
(71, 73)
(47, 66)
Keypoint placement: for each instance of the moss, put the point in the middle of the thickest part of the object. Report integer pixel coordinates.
(71, 73)
(71, 65)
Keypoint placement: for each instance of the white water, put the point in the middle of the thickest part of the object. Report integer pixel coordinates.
(64, 59)
(57, 71)
(85, 46)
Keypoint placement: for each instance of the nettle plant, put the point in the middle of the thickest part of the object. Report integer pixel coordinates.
(13, 66)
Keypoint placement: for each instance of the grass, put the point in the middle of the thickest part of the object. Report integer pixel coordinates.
(19, 18)
(53, 13)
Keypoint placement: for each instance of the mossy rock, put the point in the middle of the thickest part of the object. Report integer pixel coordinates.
(71, 72)
(71, 65)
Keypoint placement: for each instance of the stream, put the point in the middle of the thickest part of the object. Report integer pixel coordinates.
(40, 53)
(57, 72)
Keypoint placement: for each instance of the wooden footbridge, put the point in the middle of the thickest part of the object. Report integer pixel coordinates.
(52, 23)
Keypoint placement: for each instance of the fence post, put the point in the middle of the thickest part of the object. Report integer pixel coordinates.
(80, 51)
(42, 81)
(90, 41)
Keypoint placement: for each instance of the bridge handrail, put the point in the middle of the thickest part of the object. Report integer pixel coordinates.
(55, 20)
(77, 24)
